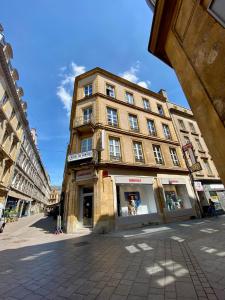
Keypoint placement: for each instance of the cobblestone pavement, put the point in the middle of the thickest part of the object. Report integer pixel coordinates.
(185, 260)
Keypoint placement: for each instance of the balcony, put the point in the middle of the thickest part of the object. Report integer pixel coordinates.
(85, 124)
(83, 157)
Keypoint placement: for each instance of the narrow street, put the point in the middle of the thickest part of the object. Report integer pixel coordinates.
(176, 261)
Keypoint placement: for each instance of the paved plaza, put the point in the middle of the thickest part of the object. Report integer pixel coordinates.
(185, 260)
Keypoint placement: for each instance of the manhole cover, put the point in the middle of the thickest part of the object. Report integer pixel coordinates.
(80, 244)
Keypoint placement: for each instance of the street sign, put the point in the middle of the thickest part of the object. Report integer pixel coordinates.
(195, 167)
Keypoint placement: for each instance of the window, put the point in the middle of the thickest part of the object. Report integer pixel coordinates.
(192, 127)
(160, 109)
(181, 124)
(13, 113)
(110, 90)
(87, 115)
(18, 126)
(199, 145)
(5, 137)
(138, 153)
(151, 127)
(146, 104)
(186, 140)
(174, 157)
(133, 123)
(112, 116)
(207, 166)
(4, 99)
(114, 148)
(217, 10)
(129, 98)
(86, 144)
(88, 90)
(166, 131)
(158, 154)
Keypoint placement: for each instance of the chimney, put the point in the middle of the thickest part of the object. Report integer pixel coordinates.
(163, 93)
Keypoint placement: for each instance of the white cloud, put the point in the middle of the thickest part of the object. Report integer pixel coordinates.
(132, 75)
(65, 88)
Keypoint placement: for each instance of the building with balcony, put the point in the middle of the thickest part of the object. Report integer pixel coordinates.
(24, 182)
(189, 36)
(207, 181)
(124, 164)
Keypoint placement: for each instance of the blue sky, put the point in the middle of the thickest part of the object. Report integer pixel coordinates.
(55, 40)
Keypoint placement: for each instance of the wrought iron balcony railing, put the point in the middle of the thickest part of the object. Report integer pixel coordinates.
(87, 120)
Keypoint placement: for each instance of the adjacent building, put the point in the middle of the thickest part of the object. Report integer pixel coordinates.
(189, 36)
(206, 181)
(54, 197)
(24, 182)
(124, 165)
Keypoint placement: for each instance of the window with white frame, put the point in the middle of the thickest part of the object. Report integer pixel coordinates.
(160, 109)
(151, 127)
(114, 148)
(112, 116)
(133, 122)
(110, 90)
(166, 131)
(158, 154)
(181, 124)
(207, 166)
(138, 152)
(87, 115)
(4, 99)
(146, 104)
(86, 144)
(192, 127)
(129, 98)
(199, 145)
(174, 157)
(88, 90)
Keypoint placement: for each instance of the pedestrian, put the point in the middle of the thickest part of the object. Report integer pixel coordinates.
(212, 209)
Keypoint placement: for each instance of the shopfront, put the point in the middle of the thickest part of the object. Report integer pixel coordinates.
(177, 197)
(216, 192)
(135, 200)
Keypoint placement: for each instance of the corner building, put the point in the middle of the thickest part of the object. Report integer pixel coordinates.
(124, 165)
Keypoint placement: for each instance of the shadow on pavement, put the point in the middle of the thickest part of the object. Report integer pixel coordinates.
(47, 224)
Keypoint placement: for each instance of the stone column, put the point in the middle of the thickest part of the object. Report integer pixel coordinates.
(71, 222)
(159, 198)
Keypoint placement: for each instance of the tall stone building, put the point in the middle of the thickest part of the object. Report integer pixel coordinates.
(24, 182)
(206, 181)
(124, 164)
(189, 35)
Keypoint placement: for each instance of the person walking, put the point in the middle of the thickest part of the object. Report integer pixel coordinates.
(212, 209)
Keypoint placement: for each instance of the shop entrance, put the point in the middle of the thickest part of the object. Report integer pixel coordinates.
(87, 206)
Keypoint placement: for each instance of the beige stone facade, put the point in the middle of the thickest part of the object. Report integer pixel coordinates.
(24, 182)
(190, 36)
(207, 181)
(54, 197)
(124, 164)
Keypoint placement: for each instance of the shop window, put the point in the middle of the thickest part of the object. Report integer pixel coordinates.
(110, 90)
(176, 197)
(136, 199)
(158, 154)
(166, 131)
(114, 148)
(151, 127)
(87, 115)
(112, 117)
(146, 104)
(138, 152)
(86, 145)
(160, 109)
(174, 157)
(181, 124)
(88, 90)
(133, 122)
(129, 98)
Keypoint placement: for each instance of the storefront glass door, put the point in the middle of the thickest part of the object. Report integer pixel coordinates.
(87, 207)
